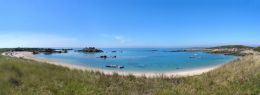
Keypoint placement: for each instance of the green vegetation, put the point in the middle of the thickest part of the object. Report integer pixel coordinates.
(26, 77)
(257, 49)
(233, 46)
(235, 50)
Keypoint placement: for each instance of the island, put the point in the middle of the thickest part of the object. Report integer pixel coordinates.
(90, 50)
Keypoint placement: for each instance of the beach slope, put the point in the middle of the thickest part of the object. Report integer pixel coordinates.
(19, 76)
(191, 72)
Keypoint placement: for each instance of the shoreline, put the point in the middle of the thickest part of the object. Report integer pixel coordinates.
(182, 73)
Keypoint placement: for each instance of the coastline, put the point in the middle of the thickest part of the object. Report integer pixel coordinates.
(182, 73)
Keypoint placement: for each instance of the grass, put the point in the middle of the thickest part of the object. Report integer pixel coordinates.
(25, 77)
(257, 49)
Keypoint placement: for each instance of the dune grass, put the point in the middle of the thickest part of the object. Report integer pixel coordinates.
(26, 77)
(257, 49)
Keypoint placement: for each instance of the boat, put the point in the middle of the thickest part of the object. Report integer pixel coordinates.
(115, 66)
(194, 56)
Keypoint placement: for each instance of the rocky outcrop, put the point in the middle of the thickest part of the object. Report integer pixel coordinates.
(90, 50)
(105, 56)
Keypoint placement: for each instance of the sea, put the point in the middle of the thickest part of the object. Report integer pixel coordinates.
(140, 59)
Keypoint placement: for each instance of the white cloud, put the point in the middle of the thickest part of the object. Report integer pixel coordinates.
(120, 39)
(27, 39)
(116, 38)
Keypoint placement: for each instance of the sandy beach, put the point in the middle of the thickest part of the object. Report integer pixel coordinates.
(191, 72)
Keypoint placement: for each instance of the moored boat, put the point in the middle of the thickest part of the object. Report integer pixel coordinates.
(115, 66)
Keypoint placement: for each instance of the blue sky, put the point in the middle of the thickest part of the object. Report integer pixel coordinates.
(128, 23)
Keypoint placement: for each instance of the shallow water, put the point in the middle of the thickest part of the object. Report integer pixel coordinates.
(142, 60)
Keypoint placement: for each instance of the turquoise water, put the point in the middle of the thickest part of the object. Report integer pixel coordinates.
(142, 60)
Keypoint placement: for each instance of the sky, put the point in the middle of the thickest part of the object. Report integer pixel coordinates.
(129, 23)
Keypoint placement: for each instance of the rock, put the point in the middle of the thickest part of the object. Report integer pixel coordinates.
(104, 56)
(90, 50)
(113, 51)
